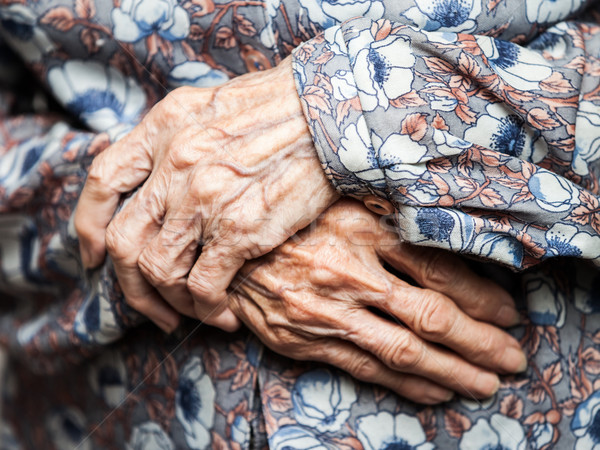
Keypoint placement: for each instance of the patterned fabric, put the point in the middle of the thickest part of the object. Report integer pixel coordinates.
(486, 147)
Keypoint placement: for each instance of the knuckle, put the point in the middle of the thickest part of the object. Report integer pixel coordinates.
(202, 290)
(436, 267)
(405, 352)
(155, 271)
(362, 368)
(116, 244)
(433, 321)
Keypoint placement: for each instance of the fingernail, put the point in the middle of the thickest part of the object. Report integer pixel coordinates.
(167, 327)
(487, 383)
(515, 360)
(449, 396)
(508, 316)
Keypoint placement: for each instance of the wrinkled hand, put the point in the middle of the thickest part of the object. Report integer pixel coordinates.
(310, 299)
(231, 170)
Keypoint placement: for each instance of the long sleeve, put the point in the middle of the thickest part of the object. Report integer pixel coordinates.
(484, 147)
(513, 20)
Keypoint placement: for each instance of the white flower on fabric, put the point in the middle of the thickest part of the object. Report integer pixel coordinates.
(400, 157)
(267, 38)
(552, 192)
(505, 132)
(334, 37)
(497, 432)
(67, 429)
(546, 303)
(357, 154)
(498, 247)
(476, 405)
(383, 69)
(386, 431)
(149, 436)
(447, 144)
(541, 435)
(240, 431)
(568, 240)
(295, 437)
(108, 378)
(322, 400)
(343, 85)
(194, 404)
(451, 15)
(327, 13)
(519, 67)
(586, 423)
(548, 11)
(137, 19)
(96, 320)
(19, 24)
(196, 73)
(272, 6)
(98, 94)
(587, 143)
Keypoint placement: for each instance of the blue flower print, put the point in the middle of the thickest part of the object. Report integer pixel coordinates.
(497, 432)
(520, 68)
(551, 44)
(541, 435)
(587, 148)
(586, 423)
(567, 240)
(547, 11)
(498, 247)
(196, 73)
(322, 400)
(384, 431)
(108, 378)
(383, 69)
(194, 403)
(149, 436)
(99, 94)
(435, 224)
(96, 319)
(67, 429)
(326, 13)
(294, 437)
(546, 304)
(552, 193)
(240, 431)
(503, 131)
(454, 15)
(137, 19)
(19, 24)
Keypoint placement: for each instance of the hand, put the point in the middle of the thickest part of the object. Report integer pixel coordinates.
(231, 170)
(311, 299)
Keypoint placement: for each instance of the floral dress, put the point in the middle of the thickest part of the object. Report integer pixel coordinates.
(478, 120)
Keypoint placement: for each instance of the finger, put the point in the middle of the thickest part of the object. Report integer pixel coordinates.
(208, 282)
(126, 235)
(342, 354)
(436, 318)
(444, 272)
(117, 170)
(402, 350)
(365, 367)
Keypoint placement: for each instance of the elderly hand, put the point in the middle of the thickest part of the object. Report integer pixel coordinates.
(229, 170)
(312, 299)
